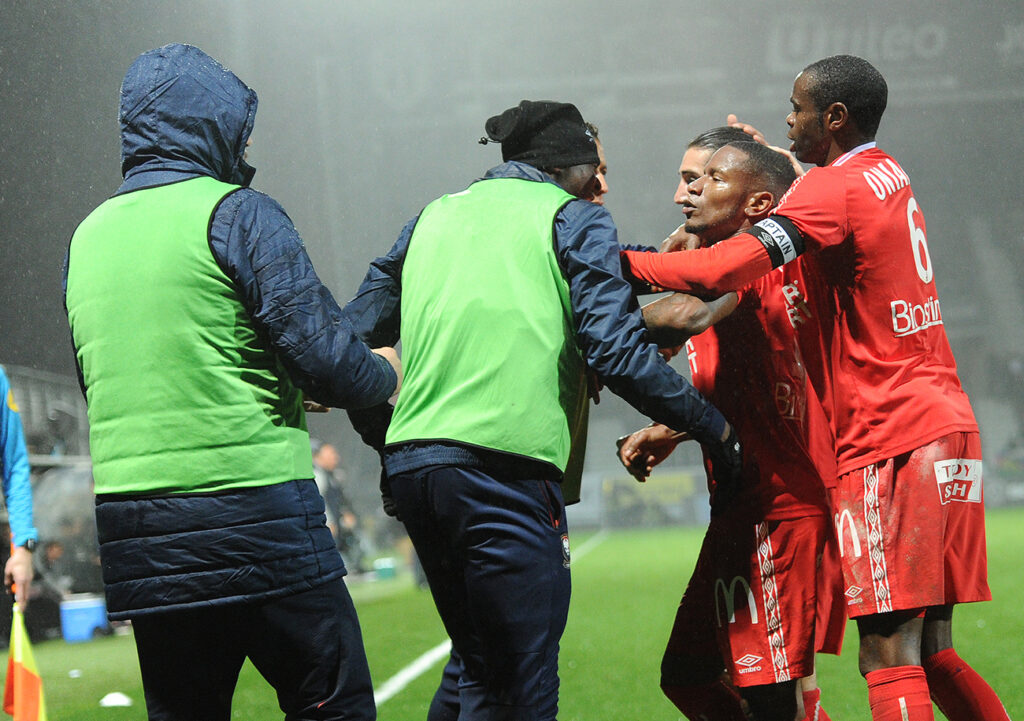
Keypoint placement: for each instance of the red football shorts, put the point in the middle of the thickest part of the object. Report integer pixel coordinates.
(751, 606)
(911, 530)
(830, 616)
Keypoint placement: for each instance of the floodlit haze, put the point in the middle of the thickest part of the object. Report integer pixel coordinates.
(370, 110)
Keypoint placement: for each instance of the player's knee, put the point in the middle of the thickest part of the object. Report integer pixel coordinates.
(889, 640)
(938, 631)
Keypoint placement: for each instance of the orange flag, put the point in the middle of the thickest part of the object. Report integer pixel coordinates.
(23, 692)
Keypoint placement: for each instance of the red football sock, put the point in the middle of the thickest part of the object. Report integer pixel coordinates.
(711, 702)
(899, 694)
(959, 691)
(812, 706)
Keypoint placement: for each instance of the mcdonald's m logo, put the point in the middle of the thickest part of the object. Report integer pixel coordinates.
(845, 520)
(729, 597)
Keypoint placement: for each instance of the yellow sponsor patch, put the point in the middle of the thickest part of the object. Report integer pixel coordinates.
(10, 402)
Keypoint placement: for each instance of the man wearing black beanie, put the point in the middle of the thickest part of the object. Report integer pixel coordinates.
(502, 295)
(543, 134)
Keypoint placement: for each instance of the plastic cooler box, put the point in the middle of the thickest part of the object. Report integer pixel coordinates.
(385, 567)
(81, 615)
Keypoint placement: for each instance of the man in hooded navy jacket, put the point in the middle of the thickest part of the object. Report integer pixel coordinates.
(198, 324)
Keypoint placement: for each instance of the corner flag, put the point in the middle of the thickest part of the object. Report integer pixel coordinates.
(23, 692)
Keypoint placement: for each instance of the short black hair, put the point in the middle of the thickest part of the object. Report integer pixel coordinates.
(717, 137)
(855, 83)
(769, 165)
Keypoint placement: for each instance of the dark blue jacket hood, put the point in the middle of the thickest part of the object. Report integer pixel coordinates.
(183, 111)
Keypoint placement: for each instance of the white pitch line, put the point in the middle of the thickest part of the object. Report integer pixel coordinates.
(589, 545)
(411, 672)
(424, 663)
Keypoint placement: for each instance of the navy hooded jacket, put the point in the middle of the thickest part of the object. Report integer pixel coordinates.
(183, 115)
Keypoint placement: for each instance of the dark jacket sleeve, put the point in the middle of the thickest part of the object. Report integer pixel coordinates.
(636, 247)
(637, 284)
(257, 246)
(375, 313)
(375, 310)
(610, 330)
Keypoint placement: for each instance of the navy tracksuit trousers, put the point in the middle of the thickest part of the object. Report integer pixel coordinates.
(307, 645)
(495, 549)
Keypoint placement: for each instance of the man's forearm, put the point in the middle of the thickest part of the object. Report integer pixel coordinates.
(672, 320)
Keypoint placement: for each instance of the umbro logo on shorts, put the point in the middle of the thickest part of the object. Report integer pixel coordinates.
(749, 663)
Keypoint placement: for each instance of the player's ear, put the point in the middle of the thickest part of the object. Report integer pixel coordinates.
(836, 117)
(758, 204)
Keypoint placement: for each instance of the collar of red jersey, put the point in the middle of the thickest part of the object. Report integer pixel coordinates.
(850, 153)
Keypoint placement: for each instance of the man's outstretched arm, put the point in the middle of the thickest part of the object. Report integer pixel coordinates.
(728, 265)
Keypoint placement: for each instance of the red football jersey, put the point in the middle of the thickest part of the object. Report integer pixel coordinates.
(808, 306)
(750, 366)
(895, 384)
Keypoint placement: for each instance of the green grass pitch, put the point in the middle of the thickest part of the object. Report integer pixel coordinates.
(625, 588)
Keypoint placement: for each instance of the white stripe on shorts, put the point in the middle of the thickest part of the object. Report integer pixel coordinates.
(876, 548)
(770, 595)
